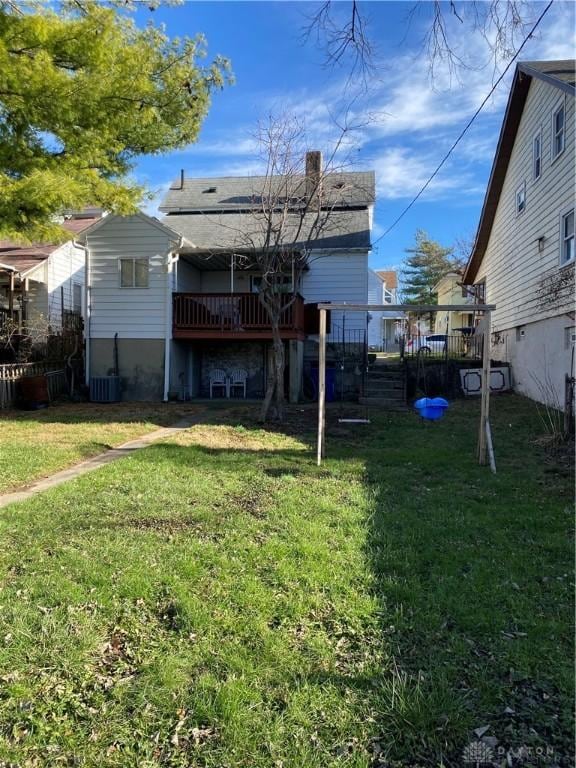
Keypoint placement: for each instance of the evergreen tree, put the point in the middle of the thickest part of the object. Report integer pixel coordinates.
(83, 93)
(427, 263)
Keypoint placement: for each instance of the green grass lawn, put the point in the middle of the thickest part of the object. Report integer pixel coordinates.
(219, 601)
(38, 443)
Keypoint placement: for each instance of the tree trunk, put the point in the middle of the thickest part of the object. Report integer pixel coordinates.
(275, 384)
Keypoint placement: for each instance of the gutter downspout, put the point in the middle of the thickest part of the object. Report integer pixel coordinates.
(87, 308)
(171, 258)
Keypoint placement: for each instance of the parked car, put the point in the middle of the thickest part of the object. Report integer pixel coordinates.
(435, 344)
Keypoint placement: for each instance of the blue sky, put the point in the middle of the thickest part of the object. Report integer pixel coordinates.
(407, 122)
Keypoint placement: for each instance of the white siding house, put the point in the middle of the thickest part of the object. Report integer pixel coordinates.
(523, 257)
(169, 302)
(383, 327)
(130, 263)
(48, 280)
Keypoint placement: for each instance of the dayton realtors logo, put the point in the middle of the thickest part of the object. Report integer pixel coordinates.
(477, 754)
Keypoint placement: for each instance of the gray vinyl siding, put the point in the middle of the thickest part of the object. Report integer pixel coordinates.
(38, 297)
(188, 278)
(137, 313)
(65, 268)
(513, 265)
(338, 277)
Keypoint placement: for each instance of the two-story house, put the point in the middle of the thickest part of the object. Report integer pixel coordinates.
(523, 256)
(384, 327)
(169, 303)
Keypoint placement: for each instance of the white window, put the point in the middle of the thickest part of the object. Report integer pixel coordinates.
(537, 156)
(567, 237)
(134, 273)
(558, 130)
(521, 198)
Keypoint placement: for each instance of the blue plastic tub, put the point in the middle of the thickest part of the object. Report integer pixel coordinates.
(431, 408)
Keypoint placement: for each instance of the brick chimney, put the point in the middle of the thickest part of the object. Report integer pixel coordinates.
(313, 173)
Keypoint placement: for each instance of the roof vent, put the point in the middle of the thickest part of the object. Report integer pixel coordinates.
(339, 185)
(210, 189)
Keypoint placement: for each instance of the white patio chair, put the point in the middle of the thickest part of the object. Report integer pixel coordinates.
(218, 380)
(238, 380)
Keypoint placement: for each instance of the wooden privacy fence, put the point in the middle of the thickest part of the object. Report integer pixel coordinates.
(12, 374)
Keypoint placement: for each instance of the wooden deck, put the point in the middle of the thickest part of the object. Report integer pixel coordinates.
(226, 316)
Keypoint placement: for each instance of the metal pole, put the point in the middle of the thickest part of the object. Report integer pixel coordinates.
(321, 387)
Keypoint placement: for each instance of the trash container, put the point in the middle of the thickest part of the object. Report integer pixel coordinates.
(34, 392)
(330, 383)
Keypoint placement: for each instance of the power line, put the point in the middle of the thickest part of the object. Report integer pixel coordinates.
(468, 124)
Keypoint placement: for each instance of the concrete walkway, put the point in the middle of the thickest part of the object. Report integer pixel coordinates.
(99, 461)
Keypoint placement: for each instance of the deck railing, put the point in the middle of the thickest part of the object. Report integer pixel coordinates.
(232, 312)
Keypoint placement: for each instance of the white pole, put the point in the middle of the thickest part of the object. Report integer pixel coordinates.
(321, 387)
(232, 273)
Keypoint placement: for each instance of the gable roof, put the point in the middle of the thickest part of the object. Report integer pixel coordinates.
(389, 276)
(244, 193)
(559, 74)
(152, 220)
(25, 258)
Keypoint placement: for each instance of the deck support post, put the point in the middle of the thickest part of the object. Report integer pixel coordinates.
(321, 387)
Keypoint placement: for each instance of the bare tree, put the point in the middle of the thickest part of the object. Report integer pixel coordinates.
(502, 24)
(292, 208)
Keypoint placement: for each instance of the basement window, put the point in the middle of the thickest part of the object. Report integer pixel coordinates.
(569, 337)
(133, 273)
(520, 333)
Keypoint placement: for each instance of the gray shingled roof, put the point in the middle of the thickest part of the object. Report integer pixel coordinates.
(245, 192)
(246, 231)
(562, 70)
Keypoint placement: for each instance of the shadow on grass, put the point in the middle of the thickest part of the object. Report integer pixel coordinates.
(469, 572)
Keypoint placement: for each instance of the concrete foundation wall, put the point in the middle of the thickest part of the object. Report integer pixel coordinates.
(247, 355)
(140, 363)
(540, 354)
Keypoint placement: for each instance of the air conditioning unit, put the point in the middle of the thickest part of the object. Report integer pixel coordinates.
(471, 380)
(105, 389)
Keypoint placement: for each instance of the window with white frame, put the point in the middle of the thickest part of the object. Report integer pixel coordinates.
(133, 273)
(558, 130)
(521, 198)
(537, 156)
(567, 237)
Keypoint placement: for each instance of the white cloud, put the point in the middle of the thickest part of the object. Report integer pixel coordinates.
(401, 172)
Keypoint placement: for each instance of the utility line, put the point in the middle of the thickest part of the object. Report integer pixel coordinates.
(465, 129)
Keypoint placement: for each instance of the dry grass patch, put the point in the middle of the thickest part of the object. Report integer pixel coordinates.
(34, 444)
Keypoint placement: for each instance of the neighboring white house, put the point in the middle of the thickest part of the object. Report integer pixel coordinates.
(170, 302)
(523, 257)
(42, 284)
(384, 327)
